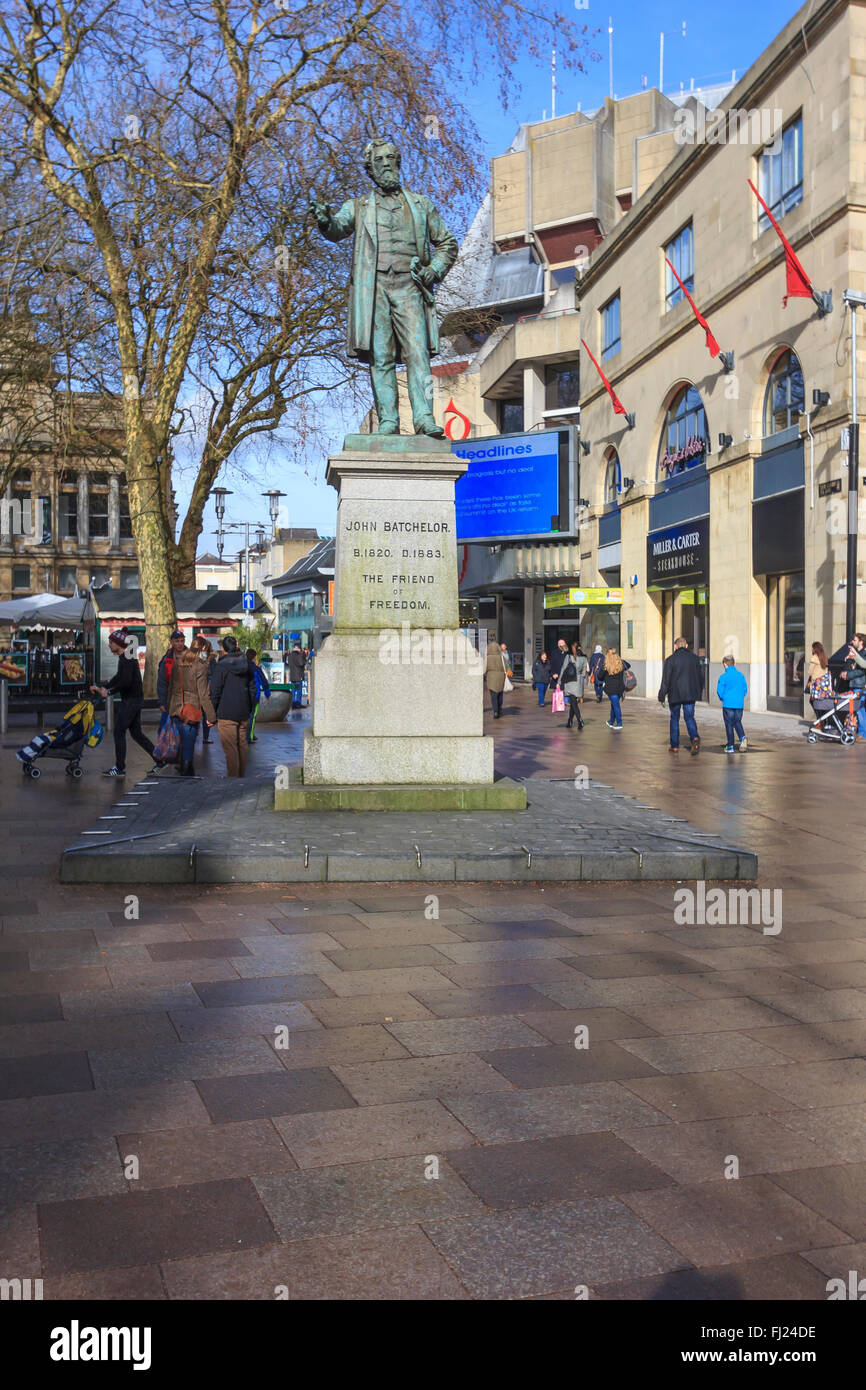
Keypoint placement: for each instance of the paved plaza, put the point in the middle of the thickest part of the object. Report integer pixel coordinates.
(429, 1090)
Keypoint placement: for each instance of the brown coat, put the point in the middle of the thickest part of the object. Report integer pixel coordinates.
(497, 669)
(189, 686)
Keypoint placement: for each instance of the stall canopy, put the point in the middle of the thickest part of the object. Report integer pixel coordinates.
(43, 611)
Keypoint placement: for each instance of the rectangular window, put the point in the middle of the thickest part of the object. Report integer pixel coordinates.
(67, 578)
(610, 328)
(780, 174)
(562, 386)
(125, 518)
(681, 254)
(20, 576)
(129, 579)
(511, 416)
(69, 515)
(98, 506)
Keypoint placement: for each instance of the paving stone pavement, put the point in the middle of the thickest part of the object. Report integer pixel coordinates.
(443, 1091)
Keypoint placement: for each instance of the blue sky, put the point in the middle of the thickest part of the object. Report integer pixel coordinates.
(719, 39)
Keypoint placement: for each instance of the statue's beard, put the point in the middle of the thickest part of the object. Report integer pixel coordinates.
(389, 183)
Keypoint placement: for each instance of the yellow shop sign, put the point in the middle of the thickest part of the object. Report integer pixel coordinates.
(582, 598)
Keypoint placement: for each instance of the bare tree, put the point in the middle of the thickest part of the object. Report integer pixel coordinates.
(169, 150)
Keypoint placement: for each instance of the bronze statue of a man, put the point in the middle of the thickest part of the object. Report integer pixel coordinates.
(402, 249)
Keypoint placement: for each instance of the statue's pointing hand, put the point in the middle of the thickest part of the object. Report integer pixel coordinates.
(321, 212)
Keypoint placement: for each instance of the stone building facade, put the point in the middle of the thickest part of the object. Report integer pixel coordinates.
(64, 517)
(722, 509)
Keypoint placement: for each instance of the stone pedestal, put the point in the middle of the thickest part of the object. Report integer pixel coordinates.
(398, 689)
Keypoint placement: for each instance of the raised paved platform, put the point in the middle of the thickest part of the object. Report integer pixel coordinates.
(172, 830)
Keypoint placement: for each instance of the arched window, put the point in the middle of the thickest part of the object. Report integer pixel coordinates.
(685, 440)
(612, 479)
(786, 395)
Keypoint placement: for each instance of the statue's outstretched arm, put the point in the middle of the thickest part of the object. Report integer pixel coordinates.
(335, 225)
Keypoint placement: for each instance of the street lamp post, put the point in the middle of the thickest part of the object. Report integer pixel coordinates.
(273, 495)
(854, 299)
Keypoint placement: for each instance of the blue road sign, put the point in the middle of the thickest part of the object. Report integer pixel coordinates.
(249, 601)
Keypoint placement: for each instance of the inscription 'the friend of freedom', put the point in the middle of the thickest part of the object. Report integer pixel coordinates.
(393, 526)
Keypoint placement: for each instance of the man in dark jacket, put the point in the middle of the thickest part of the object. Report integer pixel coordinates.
(557, 657)
(297, 666)
(127, 716)
(682, 684)
(233, 691)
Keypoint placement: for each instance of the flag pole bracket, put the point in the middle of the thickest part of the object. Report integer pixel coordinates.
(630, 420)
(824, 301)
(726, 362)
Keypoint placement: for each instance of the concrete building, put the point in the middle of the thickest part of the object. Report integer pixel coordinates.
(722, 512)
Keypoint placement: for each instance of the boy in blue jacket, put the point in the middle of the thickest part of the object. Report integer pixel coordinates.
(732, 689)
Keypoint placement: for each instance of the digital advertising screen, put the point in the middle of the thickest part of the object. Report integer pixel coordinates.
(513, 486)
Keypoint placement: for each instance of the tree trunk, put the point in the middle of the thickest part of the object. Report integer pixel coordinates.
(153, 564)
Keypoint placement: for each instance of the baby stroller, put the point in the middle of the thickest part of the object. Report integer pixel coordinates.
(80, 729)
(837, 716)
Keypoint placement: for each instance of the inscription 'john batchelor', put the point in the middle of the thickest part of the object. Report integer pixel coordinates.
(439, 527)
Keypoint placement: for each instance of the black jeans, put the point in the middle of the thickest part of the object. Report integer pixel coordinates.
(127, 716)
(496, 701)
(574, 710)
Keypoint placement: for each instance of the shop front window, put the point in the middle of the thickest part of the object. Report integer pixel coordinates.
(785, 399)
(685, 440)
(786, 641)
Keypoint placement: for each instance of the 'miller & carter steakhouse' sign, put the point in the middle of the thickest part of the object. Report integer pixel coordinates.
(678, 552)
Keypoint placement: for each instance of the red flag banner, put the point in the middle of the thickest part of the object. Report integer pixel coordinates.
(618, 406)
(797, 283)
(712, 345)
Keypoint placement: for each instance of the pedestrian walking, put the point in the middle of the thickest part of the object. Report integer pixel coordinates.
(496, 675)
(682, 685)
(541, 676)
(855, 670)
(126, 685)
(176, 647)
(557, 657)
(263, 689)
(572, 679)
(297, 667)
(189, 701)
(611, 674)
(233, 692)
(595, 662)
(732, 689)
(208, 656)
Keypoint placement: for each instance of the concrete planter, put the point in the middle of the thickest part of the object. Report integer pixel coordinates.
(274, 710)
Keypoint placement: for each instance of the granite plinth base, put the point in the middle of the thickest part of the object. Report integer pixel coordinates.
(503, 795)
(380, 760)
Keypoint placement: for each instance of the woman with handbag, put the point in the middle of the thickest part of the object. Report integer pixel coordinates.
(612, 674)
(572, 680)
(190, 701)
(496, 676)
